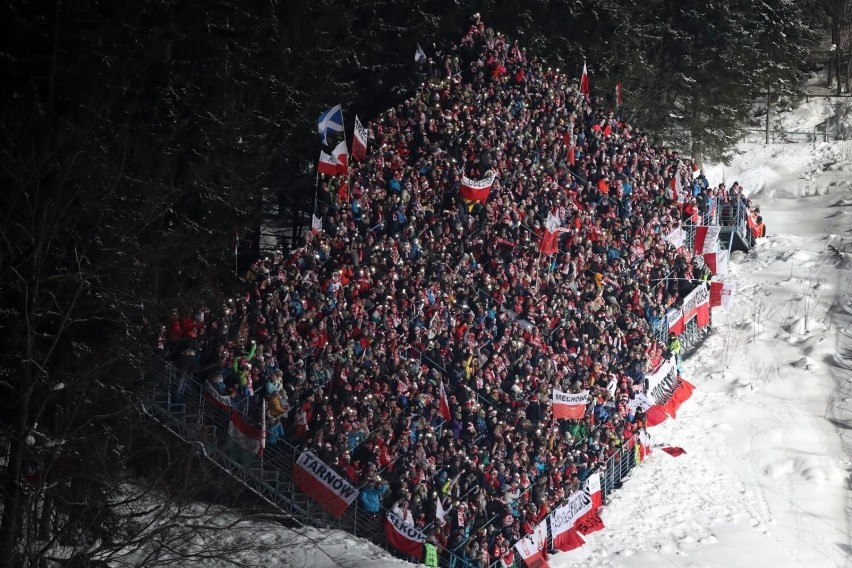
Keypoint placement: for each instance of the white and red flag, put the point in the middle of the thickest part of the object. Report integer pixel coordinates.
(717, 261)
(675, 321)
(618, 100)
(675, 192)
(550, 238)
(702, 306)
(569, 406)
(246, 434)
(322, 484)
(443, 403)
(722, 294)
(584, 80)
(477, 190)
(336, 163)
(359, 141)
(405, 538)
(531, 547)
(705, 238)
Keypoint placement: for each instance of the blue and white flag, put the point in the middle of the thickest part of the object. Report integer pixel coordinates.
(330, 121)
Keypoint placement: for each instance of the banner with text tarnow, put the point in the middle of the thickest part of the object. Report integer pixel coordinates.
(331, 491)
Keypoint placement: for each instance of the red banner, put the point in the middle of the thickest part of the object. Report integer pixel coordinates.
(655, 415)
(331, 491)
(405, 538)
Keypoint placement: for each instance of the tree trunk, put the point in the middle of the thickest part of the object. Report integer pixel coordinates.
(12, 495)
(697, 152)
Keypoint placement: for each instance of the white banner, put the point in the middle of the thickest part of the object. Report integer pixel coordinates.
(641, 401)
(676, 238)
(483, 183)
(560, 397)
(658, 377)
(563, 518)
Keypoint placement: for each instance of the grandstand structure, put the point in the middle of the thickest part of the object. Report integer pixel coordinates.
(506, 238)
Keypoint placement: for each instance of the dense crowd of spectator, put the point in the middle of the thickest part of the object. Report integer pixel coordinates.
(407, 286)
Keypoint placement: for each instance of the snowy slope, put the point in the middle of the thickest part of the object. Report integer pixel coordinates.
(765, 482)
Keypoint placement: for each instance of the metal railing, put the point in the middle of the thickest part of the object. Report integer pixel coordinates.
(735, 215)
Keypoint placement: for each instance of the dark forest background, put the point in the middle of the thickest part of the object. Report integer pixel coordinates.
(139, 137)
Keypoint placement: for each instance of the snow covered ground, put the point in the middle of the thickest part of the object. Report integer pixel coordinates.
(768, 432)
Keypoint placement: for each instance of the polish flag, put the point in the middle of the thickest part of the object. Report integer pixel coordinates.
(675, 321)
(248, 436)
(336, 163)
(584, 80)
(705, 238)
(618, 100)
(550, 239)
(569, 406)
(444, 403)
(722, 294)
(676, 188)
(477, 190)
(359, 141)
(644, 445)
(717, 261)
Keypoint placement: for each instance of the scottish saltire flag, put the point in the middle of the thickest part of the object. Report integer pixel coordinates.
(330, 121)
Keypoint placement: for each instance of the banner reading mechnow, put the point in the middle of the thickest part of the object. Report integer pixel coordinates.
(323, 485)
(570, 406)
(405, 538)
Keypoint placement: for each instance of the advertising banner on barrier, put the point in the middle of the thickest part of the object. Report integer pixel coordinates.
(569, 406)
(405, 538)
(702, 306)
(331, 491)
(563, 520)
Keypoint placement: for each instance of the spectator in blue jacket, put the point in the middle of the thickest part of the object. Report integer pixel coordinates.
(371, 496)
